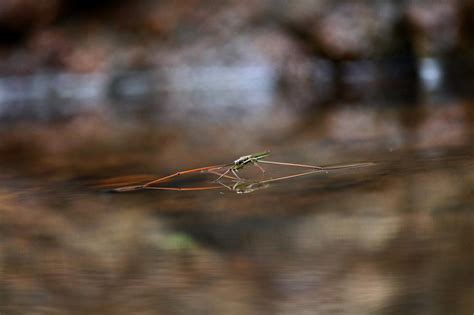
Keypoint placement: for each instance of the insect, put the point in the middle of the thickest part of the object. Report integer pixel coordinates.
(240, 186)
(242, 161)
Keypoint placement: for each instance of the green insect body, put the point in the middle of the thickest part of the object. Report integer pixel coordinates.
(249, 159)
(242, 161)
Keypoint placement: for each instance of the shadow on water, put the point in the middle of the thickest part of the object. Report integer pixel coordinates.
(392, 238)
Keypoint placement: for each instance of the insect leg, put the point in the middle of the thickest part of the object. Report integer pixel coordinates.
(226, 186)
(223, 174)
(194, 170)
(183, 188)
(235, 173)
(261, 168)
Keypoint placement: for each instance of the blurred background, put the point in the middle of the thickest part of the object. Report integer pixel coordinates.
(91, 90)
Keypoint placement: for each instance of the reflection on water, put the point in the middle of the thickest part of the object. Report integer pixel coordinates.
(395, 238)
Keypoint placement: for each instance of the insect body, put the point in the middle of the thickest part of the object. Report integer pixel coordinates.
(242, 161)
(249, 159)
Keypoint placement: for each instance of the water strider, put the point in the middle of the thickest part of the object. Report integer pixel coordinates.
(240, 185)
(238, 164)
(242, 161)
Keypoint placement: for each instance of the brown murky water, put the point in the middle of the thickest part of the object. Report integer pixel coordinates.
(394, 238)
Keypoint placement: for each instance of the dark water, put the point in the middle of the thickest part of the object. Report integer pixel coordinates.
(393, 238)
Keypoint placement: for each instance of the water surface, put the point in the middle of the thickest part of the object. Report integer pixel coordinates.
(393, 238)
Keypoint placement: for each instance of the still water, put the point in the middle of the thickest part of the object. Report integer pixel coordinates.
(393, 238)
